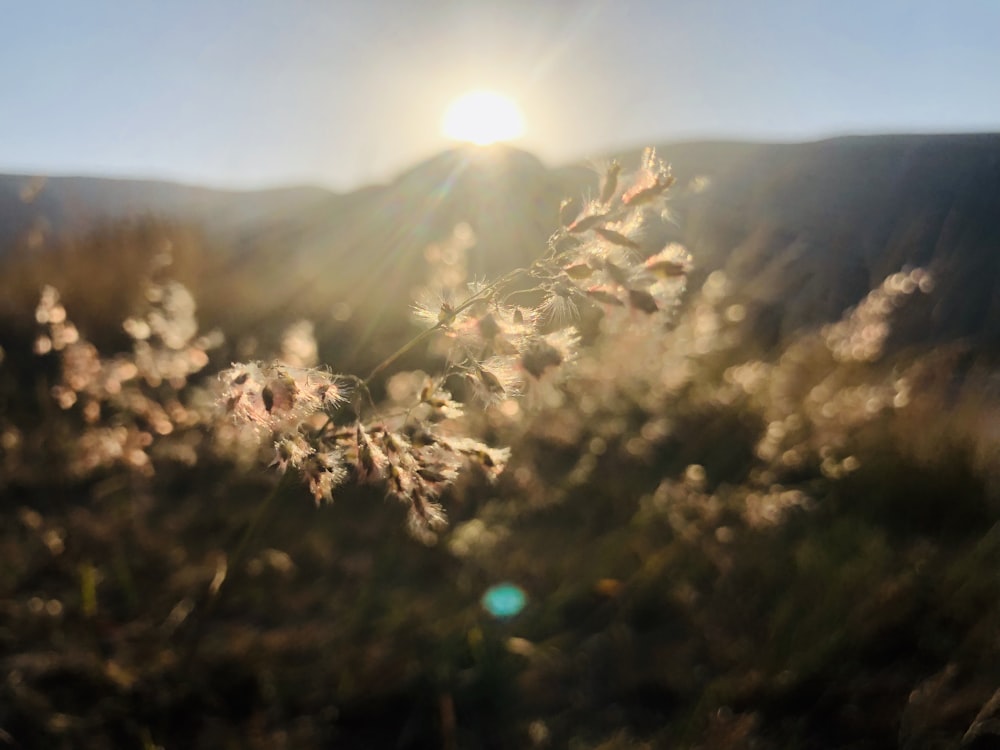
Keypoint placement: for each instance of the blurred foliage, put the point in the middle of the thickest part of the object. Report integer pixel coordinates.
(710, 558)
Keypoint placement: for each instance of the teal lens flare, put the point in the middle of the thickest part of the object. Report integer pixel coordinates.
(504, 600)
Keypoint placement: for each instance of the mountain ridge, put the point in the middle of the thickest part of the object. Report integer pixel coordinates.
(804, 229)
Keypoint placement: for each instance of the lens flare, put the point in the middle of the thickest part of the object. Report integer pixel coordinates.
(504, 600)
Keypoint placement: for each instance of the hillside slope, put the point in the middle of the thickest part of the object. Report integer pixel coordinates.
(805, 230)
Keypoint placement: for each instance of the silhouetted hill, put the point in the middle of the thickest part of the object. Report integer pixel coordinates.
(59, 205)
(805, 230)
(809, 228)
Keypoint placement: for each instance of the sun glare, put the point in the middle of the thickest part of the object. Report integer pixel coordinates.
(483, 117)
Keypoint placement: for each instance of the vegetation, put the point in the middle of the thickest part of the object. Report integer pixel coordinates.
(720, 544)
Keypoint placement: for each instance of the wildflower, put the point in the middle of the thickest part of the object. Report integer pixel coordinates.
(603, 295)
(493, 380)
(434, 308)
(442, 404)
(559, 306)
(491, 461)
(588, 221)
(653, 180)
(425, 518)
(610, 183)
(616, 238)
(275, 396)
(323, 472)
(671, 262)
(371, 461)
(291, 451)
(487, 332)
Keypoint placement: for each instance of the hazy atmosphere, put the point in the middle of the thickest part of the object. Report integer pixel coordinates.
(454, 375)
(340, 94)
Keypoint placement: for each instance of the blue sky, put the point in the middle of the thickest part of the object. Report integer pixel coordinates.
(248, 93)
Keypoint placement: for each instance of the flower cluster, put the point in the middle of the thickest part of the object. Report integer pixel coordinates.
(277, 397)
(819, 390)
(500, 340)
(595, 266)
(129, 401)
(415, 461)
(861, 335)
(641, 387)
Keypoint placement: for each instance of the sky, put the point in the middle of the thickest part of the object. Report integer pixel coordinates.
(343, 93)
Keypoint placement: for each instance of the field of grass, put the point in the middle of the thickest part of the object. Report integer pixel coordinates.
(721, 544)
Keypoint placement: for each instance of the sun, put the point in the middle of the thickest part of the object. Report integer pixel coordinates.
(483, 117)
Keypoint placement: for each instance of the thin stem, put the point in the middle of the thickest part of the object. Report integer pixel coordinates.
(406, 347)
(259, 515)
(484, 293)
(213, 597)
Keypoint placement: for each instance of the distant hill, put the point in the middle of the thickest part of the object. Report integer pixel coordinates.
(805, 230)
(73, 204)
